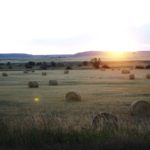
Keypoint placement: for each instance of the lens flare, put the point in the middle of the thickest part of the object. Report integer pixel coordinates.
(36, 99)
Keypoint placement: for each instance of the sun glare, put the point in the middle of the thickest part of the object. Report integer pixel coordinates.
(117, 55)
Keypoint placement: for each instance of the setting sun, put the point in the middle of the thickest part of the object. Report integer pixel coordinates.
(117, 55)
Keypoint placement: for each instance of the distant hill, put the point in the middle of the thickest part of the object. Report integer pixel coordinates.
(27, 56)
(13, 56)
(94, 53)
(87, 55)
(138, 55)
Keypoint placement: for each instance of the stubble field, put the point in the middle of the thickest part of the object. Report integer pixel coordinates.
(108, 90)
(41, 118)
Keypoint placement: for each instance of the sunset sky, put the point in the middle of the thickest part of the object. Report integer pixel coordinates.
(70, 26)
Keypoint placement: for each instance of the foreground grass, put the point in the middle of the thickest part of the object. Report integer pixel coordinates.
(44, 133)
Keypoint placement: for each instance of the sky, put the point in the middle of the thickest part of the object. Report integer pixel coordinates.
(71, 26)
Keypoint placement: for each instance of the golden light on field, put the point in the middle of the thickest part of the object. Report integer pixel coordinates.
(36, 99)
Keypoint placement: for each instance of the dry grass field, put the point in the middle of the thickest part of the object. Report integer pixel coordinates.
(31, 113)
(106, 90)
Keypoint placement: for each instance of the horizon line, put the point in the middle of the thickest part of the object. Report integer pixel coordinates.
(79, 52)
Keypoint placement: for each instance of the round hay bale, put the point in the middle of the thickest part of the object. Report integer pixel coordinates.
(33, 84)
(105, 121)
(131, 76)
(125, 71)
(4, 74)
(25, 72)
(73, 96)
(102, 69)
(44, 73)
(140, 108)
(53, 82)
(148, 76)
(66, 71)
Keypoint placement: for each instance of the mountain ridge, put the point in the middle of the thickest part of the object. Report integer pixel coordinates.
(137, 54)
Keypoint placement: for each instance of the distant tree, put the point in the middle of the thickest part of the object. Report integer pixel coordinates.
(20, 65)
(59, 64)
(68, 68)
(9, 65)
(85, 63)
(147, 67)
(38, 63)
(53, 64)
(105, 66)
(30, 64)
(96, 62)
(139, 67)
(44, 66)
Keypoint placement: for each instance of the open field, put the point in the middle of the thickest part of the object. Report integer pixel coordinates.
(100, 91)
(108, 90)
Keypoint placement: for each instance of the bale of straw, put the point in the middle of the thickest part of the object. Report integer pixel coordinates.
(102, 69)
(44, 73)
(53, 82)
(140, 108)
(72, 96)
(148, 76)
(33, 84)
(105, 121)
(66, 71)
(125, 71)
(25, 72)
(4, 74)
(131, 76)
